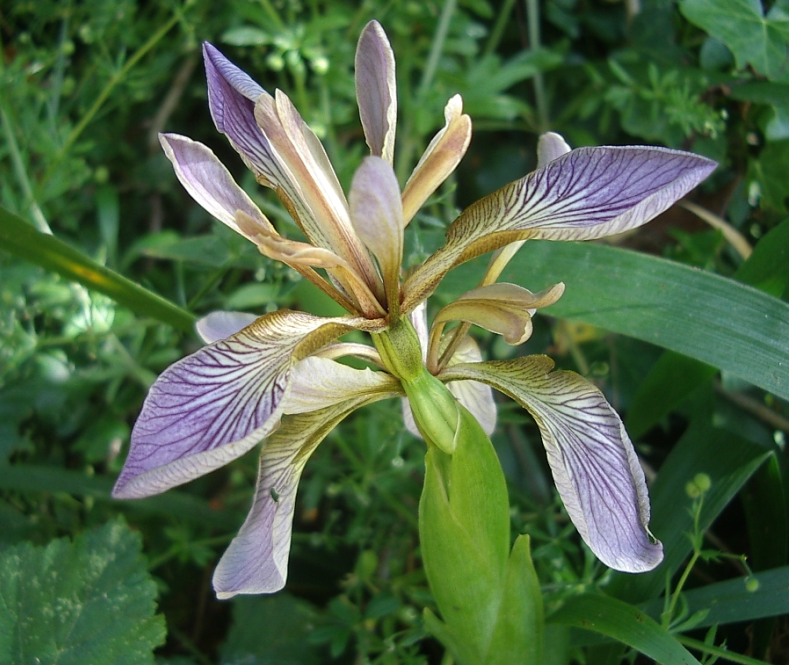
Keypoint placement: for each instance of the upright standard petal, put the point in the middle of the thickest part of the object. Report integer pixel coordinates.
(377, 216)
(257, 559)
(210, 184)
(587, 193)
(442, 156)
(376, 90)
(592, 460)
(550, 146)
(231, 100)
(211, 407)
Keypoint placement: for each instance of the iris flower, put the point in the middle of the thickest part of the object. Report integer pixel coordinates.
(276, 378)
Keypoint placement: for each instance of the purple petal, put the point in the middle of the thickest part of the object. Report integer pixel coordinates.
(220, 325)
(592, 459)
(585, 194)
(376, 90)
(231, 98)
(213, 406)
(210, 184)
(257, 559)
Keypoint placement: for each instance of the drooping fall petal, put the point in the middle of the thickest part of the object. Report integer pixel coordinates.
(214, 405)
(442, 156)
(220, 325)
(592, 459)
(377, 216)
(585, 194)
(257, 559)
(502, 308)
(376, 90)
(210, 184)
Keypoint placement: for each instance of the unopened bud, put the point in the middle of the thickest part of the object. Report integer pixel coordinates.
(436, 412)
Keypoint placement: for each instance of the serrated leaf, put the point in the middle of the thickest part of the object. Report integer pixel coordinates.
(90, 601)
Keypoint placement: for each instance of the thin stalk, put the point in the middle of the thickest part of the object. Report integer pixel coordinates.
(106, 92)
(439, 39)
(498, 28)
(669, 612)
(272, 14)
(717, 651)
(19, 168)
(533, 14)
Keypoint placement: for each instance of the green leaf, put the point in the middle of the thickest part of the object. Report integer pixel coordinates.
(22, 240)
(625, 624)
(670, 381)
(698, 451)
(768, 267)
(90, 601)
(732, 602)
(768, 173)
(702, 315)
(271, 630)
(754, 39)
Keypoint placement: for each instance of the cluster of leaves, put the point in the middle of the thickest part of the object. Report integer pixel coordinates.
(696, 360)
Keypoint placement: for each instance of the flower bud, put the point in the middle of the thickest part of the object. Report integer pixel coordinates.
(436, 412)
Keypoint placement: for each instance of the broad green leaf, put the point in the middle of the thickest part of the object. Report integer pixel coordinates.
(32, 478)
(670, 381)
(625, 624)
(766, 175)
(732, 601)
(271, 630)
(90, 601)
(767, 268)
(22, 240)
(754, 39)
(728, 460)
(702, 315)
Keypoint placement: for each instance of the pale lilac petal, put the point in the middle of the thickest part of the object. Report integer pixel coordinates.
(550, 146)
(376, 90)
(220, 325)
(377, 216)
(475, 396)
(318, 383)
(212, 406)
(257, 559)
(418, 318)
(592, 459)
(585, 194)
(210, 184)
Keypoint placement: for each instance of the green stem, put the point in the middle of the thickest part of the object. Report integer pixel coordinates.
(717, 651)
(106, 92)
(668, 614)
(533, 14)
(272, 14)
(499, 27)
(439, 39)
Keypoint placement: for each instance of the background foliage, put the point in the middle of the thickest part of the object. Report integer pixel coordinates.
(688, 338)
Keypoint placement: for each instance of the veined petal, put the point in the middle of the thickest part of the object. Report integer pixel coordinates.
(585, 194)
(212, 406)
(257, 559)
(502, 308)
(592, 459)
(221, 325)
(377, 216)
(318, 383)
(550, 146)
(439, 160)
(231, 99)
(210, 184)
(376, 90)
